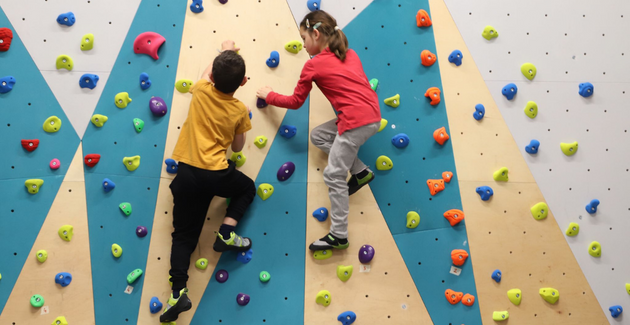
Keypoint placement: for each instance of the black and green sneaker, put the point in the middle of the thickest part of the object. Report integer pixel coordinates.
(176, 306)
(235, 242)
(356, 182)
(327, 242)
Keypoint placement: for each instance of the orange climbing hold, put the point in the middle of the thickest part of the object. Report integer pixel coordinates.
(435, 185)
(423, 19)
(446, 176)
(468, 299)
(459, 256)
(454, 216)
(427, 58)
(440, 136)
(452, 296)
(433, 93)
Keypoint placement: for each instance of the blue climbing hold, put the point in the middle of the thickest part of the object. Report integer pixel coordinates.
(347, 317)
(250, 115)
(155, 305)
(615, 311)
(108, 185)
(63, 278)
(496, 275)
(480, 112)
(400, 140)
(456, 57)
(67, 19)
(88, 81)
(145, 82)
(485, 192)
(586, 89)
(509, 91)
(321, 214)
(196, 6)
(244, 257)
(532, 147)
(592, 207)
(6, 84)
(171, 166)
(288, 131)
(274, 59)
(313, 4)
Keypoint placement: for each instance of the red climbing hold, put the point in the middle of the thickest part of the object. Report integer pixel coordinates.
(427, 58)
(468, 299)
(459, 256)
(440, 135)
(446, 176)
(435, 185)
(452, 296)
(6, 36)
(148, 43)
(30, 145)
(423, 19)
(92, 159)
(454, 216)
(433, 94)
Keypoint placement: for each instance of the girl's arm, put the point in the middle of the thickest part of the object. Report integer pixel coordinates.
(301, 91)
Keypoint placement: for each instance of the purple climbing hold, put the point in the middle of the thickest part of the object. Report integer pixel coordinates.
(285, 171)
(366, 254)
(261, 103)
(221, 276)
(223, 1)
(242, 299)
(141, 231)
(158, 106)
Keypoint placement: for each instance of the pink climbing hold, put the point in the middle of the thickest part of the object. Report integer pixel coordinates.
(55, 164)
(148, 43)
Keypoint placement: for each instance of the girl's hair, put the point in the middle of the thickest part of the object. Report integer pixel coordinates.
(327, 26)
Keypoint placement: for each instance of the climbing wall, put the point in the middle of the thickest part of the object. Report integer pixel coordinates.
(343, 11)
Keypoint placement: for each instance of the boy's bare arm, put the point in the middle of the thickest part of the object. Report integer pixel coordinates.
(238, 143)
(227, 45)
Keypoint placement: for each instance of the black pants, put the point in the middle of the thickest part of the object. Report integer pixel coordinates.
(193, 189)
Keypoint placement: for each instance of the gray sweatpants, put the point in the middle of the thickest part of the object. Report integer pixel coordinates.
(342, 153)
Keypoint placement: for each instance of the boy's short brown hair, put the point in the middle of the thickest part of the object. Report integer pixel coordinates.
(228, 71)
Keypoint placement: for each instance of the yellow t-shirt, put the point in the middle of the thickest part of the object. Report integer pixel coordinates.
(213, 120)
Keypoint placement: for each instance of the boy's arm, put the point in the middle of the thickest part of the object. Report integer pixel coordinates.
(239, 139)
(227, 45)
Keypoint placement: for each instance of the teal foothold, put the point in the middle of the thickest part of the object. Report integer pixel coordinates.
(134, 275)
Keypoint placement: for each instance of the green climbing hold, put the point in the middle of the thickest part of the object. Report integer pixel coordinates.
(540, 211)
(87, 42)
(37, 301)
(125, 207)
(501, 175)
(41, 255)
(134, 275)
(569, 149)
(550, 295)
(489, 33)
(528, 70)
(33, 185)
(60, 321)
(52, 124)
(138, 124)
(132, 163)
(595, 249)
(64, 62)
(98, 120)
(413, 219)
(260, 141)
(344, 272)
(573, 229)
(500, 315)
(383, 125)
(323, 298)
(384, 163)
(374, 84)
(122, 100)
(515, 296)
(117, 250)
(531, 109)
(322, 255)
(393, 101)
(202, 263)
(239, 158)
(293, 46)
(264, 191)
(65, 232)
(264, 276)
(183, 85)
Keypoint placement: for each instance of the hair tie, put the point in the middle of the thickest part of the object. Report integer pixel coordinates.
(337, 28)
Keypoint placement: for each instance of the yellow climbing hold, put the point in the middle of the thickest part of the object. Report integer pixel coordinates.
(293, 46)
(132, 163)
(64, 62)
(65, 232)
(384, 163)
(540, 211)
(628, 288)
(515, 296)
(183, 85)
(260, 141)
(531, 109)
(528, 70)
(323, 298)
(550, 295)
(413, 219)
(87, 42)
(573, 229)
(344, 272)
(122, 100)
(238, 158)
(52, 124)
(595, 249)
(383, 125)
(98, 120)
(489, 33)
(500, 315)
(117, 250)
(60, 321)
(33, 185)
(322, 255)
(265, 191)
(501, 175)
(569, 149)
(393, 101)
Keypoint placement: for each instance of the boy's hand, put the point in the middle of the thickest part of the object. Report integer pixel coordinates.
(229, 45)
(263, 92)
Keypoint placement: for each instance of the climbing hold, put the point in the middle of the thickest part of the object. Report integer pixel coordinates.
(321, 214)
(393, 101)
(479, 113)
(92, 159)
(264, 276)
(87, 42)
(590, 208)
(384, 163)
(6, 84)
(586, 89)
(63, 278)
(569, 149)
(515, 296)
(221, 276)
(447, 176)
(452, 296)
(293, 46)
(440, 135)
(121, 100)
(540, 211)
(117, 250)
(433, 94)
(500, 315)
(264, 191)
(242, 299)
(509, 91)
(132, 163)
(98, 120)
(313, 4)
(67, 19)
(108, 185)
(400, 140)
(454, 216)
(374, 84)
(30, 145)
(223, 1)
(60, 321)
(550, 295)
(158, 106)
(66, 232)
(145, 82)
(496, 276)
(347, 318)
(55, 164)
(468, 300)
(238, 158)
(532, 147)
(501, 175)
(41, 255)
(171, 166)
(138, 124)
(383, 125)
(366, 254)
(183, 85)
(125, 207)
(64, 62)
(435, 185)
(261, 103)
(485, 192)
(33, 185)
(202, 263)
(323, 298)
(595, 249)
(628, 288)
(456, 57)
(52, 124)
(6, 36)
(344, 272)
(155, 305)
(427, 58)
(573, 229)
(285, 171)
(489, 33)
(274, 59)
(133, 276)
(260, 141)
(413, 219)
(528, 70)
(423, 19)
(531, 109)
(141, 231)
(615, 311)
(244, 257)
(459, 256)
(196, 6)
(322, 255)
(37, 301)
(148, 43)
(288, 131)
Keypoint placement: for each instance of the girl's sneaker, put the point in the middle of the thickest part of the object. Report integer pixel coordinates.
(235, 242)
(329, 241)
(176, 306)
(359, 180)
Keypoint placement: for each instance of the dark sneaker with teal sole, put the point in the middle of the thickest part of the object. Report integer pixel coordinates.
(176, 306)
(328, 242)
(234, 243)
(355, 183)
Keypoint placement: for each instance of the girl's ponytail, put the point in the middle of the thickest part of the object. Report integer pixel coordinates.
(327, 26)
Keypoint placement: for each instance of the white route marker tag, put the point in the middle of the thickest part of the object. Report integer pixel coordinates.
(455, 270)
(129, 290)
(45, 310)
(364, 268)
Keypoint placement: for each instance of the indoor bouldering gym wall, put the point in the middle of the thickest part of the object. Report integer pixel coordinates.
(500, 164)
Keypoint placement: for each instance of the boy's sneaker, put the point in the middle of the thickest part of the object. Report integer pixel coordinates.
(357, 181)
(235, 242)
(176, 306)
(327, 242)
